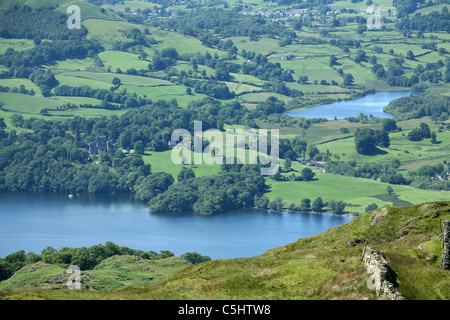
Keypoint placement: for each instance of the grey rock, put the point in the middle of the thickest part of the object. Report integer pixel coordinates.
(377, 215)
(445, 258)
(382, 274)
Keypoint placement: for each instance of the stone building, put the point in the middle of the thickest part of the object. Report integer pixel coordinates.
(101, 145)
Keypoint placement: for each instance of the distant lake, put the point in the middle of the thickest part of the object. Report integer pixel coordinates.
(371, 104)
(33, 221)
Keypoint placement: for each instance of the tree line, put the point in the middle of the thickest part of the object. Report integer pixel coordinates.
(426, 177)
(434, 21)
(417, 106)
(225, 23)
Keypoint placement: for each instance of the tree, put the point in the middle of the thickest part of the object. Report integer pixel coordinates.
(194, 257)
(318, 205)
(303, 79)
(364, 142)
(45, 91)
(297, 25)
(153, 184)
(307, 174)
(276, 204)
(389, 190)
(185, 174)
(333, 60)
(336, 206)
(410, 55)
(361, 28)
(348, 79)
(305, 204)
(371, 207)
(382, 138)
(414, 135)
(395, 163)
(389, 124)
(116, 82)
(139, 147)
(312, 151)
(287, 164)
(425, 130)
(262, 202)
(17, 120)
(433, 138)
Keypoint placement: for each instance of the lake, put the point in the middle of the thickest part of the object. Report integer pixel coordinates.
(370, 104)
(33, 221)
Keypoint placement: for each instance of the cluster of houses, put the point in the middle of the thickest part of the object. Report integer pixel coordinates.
(312, 163)
(445, 176)
(281, 13)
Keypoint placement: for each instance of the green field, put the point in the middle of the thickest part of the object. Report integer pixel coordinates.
(73, 65)
(16, 44)
(358, 193)
(18, 82)
(122, 60)
(400, 148)
(27, 104)
(162, 162)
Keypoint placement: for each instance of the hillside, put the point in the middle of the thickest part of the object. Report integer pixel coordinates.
(111, 274)
(326, 266)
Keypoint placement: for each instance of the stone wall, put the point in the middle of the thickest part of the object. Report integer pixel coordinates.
(445, 236)
(382, 277)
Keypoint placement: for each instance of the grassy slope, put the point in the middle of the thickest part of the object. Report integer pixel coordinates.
(111, 274)
(320, 267)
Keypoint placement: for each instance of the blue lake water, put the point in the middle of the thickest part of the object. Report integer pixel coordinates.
(371, 104)
(33, 221)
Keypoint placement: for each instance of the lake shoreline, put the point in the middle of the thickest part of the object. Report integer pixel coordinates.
(135, 200)
(338, 106)
(32, 221)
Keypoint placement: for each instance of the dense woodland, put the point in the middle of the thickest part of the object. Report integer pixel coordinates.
(418, 106)
(24, 22)
(221, 22)
(213, 194)
(52, 155)
(426, 177)
(434, 21)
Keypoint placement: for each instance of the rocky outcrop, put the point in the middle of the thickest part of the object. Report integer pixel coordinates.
(382, 277)
(377, 215)
(445, 236)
